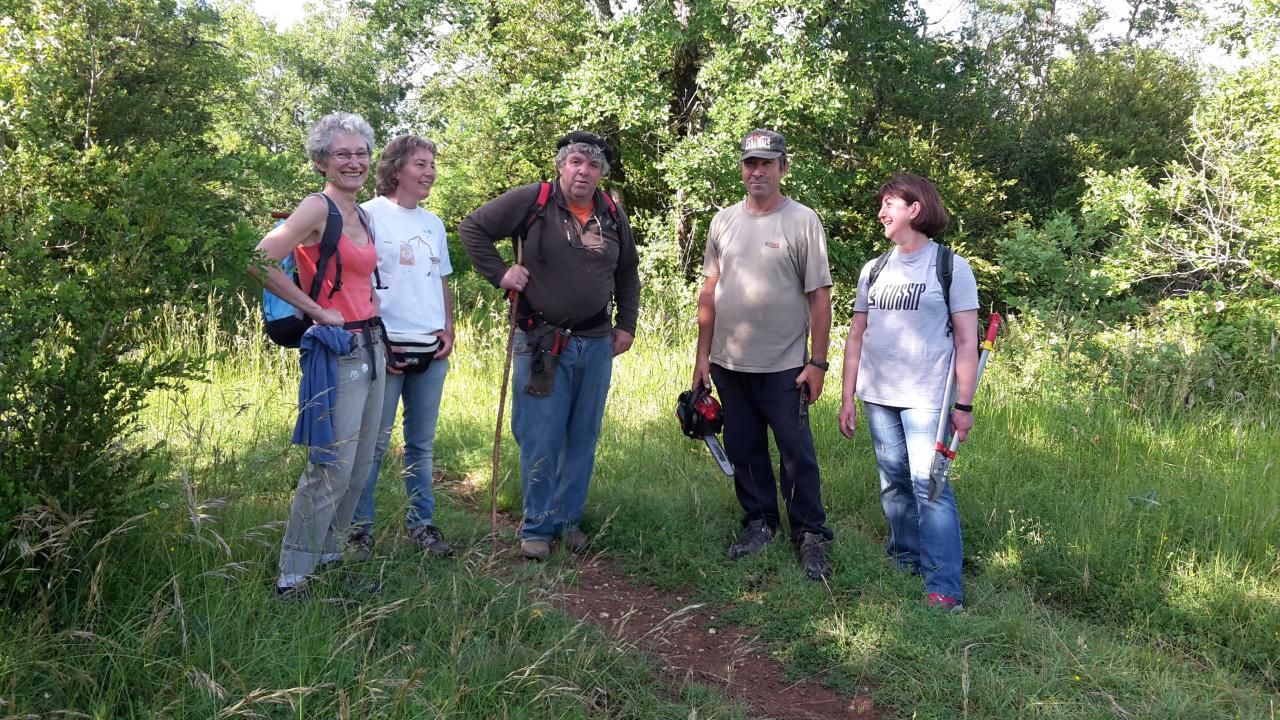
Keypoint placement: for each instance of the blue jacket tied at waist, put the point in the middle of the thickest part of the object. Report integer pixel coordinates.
(318, 391)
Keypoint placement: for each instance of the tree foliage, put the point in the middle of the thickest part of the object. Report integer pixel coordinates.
(142, 144)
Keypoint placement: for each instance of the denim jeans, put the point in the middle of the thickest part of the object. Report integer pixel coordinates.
(924, 536)
(421, 393)
(325, 499)
(557, 434)
(754, 404)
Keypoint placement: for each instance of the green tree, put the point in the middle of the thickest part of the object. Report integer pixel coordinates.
(114, 208)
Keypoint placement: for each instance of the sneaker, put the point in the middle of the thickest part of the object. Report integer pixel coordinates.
(431, 541)
(289, 593)
(359, 545)
(942, 602)
(577, 541)
(535, 549)
(813, 556)
(753, 538)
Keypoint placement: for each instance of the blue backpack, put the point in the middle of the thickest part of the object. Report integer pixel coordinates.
(286, 324)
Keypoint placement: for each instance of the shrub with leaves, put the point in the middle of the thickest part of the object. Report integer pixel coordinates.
(113, 209)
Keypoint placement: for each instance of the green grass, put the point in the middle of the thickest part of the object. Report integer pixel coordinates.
(1121, 562)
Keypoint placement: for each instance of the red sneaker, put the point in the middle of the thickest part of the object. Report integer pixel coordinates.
(942, 602)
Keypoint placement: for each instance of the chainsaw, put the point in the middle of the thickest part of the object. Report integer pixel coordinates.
(701, 418)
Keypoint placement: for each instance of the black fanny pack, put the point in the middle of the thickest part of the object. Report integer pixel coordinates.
(413, 357)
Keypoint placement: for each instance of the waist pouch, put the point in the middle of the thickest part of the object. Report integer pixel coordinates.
(546, 342)
(528, 317)
(413, 357)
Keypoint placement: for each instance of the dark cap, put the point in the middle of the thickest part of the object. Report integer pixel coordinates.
(765, 144)
(587, 138)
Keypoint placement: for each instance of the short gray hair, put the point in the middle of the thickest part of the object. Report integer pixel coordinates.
(592, 151)
(322, 133)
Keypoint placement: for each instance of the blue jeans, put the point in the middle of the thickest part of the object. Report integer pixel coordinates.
(924, 536)
(421, 393)
(557, 434)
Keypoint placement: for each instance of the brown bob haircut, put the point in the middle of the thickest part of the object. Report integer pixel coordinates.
(933, 217)
(395, 156)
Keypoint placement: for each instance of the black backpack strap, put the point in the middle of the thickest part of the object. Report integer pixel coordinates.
(943, 263)
(368, 230)
(875, 271)
(329, 249)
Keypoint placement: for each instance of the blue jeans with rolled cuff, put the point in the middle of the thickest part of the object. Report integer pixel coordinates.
(924, 536)
(557, 434)
(421, 393)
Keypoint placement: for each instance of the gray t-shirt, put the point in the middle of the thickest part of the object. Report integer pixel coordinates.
(906, 348)
(766, 265)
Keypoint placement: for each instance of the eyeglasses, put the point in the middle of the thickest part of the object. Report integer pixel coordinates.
(347, 155)
(573, 233)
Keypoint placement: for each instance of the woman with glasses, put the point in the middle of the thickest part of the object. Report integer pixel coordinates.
(346, 323)
(417, 311)
(901, 343)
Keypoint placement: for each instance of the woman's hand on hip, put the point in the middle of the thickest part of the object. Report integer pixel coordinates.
(446, 344)
(328, 316)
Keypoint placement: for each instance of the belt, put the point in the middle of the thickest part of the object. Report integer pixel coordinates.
(363, 335)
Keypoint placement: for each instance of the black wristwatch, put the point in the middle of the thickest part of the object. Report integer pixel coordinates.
(964, 408)
(822, 365)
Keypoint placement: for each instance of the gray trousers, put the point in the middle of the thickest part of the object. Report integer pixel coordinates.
(325, 499)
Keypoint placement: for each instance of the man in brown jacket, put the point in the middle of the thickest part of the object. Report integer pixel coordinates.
(579, 296)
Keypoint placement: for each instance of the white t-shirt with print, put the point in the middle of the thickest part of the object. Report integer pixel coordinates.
(907, 347)
(413, 256)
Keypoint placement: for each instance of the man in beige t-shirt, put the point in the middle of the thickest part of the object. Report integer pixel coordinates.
(767, 291)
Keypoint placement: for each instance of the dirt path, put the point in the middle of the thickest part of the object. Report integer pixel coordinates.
(693, 645)
(685, 638)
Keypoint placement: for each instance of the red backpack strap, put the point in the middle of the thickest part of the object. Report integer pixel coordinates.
(613, 207)
(535, 211)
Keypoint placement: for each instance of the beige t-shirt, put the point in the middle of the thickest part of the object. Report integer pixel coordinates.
(766, 264)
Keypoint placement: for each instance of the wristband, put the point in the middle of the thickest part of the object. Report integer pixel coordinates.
(822, 365)
(964, 408)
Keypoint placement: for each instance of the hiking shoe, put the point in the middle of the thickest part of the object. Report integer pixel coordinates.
(290, 593)
(753, 538)
(431, 541)
(538, 550)
(942, 602)
(359, 546)
(577, 541)
(813, 556)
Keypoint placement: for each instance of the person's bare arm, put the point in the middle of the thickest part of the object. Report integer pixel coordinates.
(305, 226)
(706, 327)
(819, 339)
(964, 326)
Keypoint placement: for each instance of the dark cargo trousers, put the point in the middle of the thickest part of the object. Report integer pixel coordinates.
(753, 404)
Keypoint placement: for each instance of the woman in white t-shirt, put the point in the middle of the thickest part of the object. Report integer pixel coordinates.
(896, 359)
(417, 311)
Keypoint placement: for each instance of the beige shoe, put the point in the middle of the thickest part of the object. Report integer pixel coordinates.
(578, 542)
(535, 549)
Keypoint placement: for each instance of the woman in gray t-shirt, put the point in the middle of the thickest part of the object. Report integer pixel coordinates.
(896, 359)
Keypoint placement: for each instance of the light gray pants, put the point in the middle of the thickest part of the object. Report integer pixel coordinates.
(326, 496)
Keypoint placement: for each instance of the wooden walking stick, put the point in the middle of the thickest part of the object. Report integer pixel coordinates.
(502, 404)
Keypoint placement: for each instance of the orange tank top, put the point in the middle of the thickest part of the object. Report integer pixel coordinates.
(355, 298)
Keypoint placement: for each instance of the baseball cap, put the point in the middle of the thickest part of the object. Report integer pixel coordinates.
(765, 144)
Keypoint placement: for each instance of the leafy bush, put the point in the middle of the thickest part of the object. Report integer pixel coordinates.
(113, 209)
